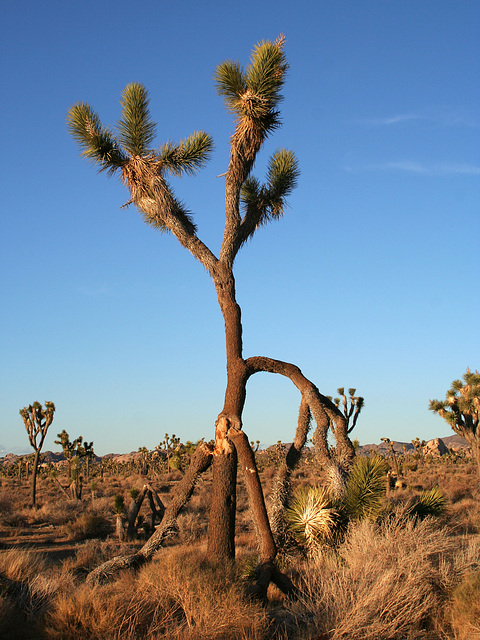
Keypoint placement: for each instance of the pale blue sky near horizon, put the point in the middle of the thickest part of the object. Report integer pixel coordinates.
(369, 281)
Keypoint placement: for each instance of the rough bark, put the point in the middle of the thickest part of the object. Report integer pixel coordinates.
(221, 525)
(34, 476)
(62, 489)
(322, 408)
(156, 505)
(246, 458)
(281, 484)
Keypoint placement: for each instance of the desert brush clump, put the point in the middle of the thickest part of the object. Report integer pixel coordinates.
(178, 596)
(387, 580)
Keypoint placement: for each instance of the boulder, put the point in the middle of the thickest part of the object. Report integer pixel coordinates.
(435, 447)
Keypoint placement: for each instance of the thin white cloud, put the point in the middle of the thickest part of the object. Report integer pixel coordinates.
(420, 168)
(94, 291)
(395, 119)
(444, 116)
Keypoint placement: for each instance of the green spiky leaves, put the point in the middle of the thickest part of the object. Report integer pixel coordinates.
(282, 177)
(254, 93)
(461, 408)
(188, 156)
(136, 133)
(98, 142)
(311, 517)
(265, 202)
(365, 488)
(431, 502)
(230, 82)
(136, 128)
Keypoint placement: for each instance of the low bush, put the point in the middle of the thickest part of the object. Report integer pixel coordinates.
(179, 596)
(88, 525)
(384, 581)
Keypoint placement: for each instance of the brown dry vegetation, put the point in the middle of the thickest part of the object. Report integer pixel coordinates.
(393, 579)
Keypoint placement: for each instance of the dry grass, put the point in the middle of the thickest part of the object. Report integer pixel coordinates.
(465, 608)
(181, 595)
(385, 581)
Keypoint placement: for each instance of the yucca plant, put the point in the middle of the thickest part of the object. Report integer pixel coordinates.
(319, 515)
(461, 409)
(253, 95)
(430, 503)
(365, 488)
(312, 517)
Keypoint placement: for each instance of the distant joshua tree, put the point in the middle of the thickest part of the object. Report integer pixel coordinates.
(461, 410)
(37, 420)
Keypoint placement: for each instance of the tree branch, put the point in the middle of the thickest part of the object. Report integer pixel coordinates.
(323, 409)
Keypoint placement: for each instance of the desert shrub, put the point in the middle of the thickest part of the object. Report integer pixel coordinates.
(179, 596)
(190, 528)
(385, 581)
(21, 565)
(430, 503)
(58, 511)
(92, 553)
(321, 514)
(466, 607)
(6, 507)
(207, 601)
(105, 612)
(88, 525)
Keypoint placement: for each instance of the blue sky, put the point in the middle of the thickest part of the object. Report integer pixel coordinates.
(369, 281)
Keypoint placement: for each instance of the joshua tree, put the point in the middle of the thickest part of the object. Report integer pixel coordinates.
(74, 451)
(169, 445)
(352, 411)
(37, 420)
(252, 95)
(461, 410)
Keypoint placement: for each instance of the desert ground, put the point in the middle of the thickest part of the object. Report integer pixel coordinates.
(392, 575)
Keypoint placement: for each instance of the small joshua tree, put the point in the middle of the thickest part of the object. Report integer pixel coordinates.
(352, 411)
(37, 420)
(74, 451)
(461, 410)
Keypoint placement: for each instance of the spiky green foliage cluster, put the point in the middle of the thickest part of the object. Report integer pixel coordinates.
(318, 515)
(188, 155)
(131, 152)
(365, 488)
(461, 409)
(430, 503)
(264, 202)
(98, 142)
(254, 93)
(136, 133)
(119, 504)
(136, 130)
(312, 516)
